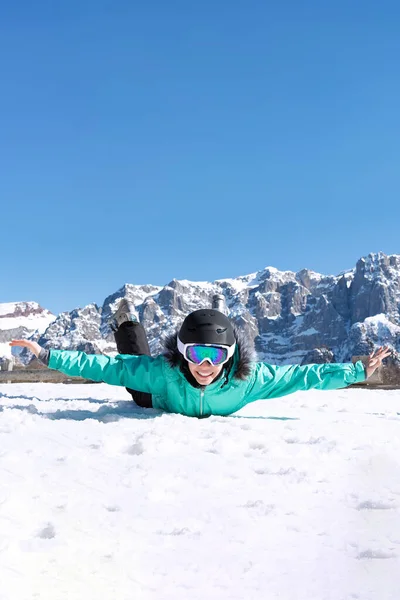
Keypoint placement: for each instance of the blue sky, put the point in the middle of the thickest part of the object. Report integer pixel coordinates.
(142, 141)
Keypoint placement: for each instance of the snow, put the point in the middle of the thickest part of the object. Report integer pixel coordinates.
(5, 350)
(244, 282)
(238, 285)
(202, 284)
(309, 331)
(32, 322)
(9, 318)
(382, 326)
(254, 279)
(7, 308)
(101, 500)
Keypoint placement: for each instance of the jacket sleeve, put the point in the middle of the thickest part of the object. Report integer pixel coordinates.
(272, 382)
(141, 373)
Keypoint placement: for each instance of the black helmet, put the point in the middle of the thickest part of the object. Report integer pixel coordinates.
(207, 326)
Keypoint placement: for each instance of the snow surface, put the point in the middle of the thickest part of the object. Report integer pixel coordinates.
(33, 322)
(309, 331)
(381, 326)
(102, 500)
(9, 319)
(5, 350)
(7, 308)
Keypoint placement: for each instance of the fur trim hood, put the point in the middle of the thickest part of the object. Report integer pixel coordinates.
(241, 362)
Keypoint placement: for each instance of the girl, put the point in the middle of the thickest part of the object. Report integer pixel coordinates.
(206, 369)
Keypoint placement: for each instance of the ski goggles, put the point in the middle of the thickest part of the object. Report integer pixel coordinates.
(198, 353)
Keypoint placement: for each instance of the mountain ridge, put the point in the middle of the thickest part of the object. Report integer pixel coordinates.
(286, 314)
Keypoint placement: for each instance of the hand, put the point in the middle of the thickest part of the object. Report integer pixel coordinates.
(375, 359)
(32, 346)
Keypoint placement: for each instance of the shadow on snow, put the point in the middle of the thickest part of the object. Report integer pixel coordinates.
(108, 412)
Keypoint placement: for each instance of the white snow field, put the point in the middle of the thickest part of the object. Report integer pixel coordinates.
(99, 499)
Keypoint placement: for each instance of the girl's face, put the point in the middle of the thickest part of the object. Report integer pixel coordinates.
(205, 373)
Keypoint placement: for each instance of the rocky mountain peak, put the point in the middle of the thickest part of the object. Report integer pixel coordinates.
(286, 314)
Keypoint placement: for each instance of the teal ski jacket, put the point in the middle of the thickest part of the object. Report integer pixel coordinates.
(172, 392)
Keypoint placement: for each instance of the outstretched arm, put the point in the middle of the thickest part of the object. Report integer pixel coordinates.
(142, 373)
(271, 381)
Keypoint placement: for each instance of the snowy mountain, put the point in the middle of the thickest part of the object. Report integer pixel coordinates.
(287, 314)
(21, 320)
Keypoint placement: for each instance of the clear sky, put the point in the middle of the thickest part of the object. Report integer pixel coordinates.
(142, 141)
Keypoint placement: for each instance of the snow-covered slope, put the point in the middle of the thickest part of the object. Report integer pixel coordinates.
(21, 319)
(24, 315)
(99, 500)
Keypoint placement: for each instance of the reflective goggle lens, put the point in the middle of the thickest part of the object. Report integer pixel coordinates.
(215, 354)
